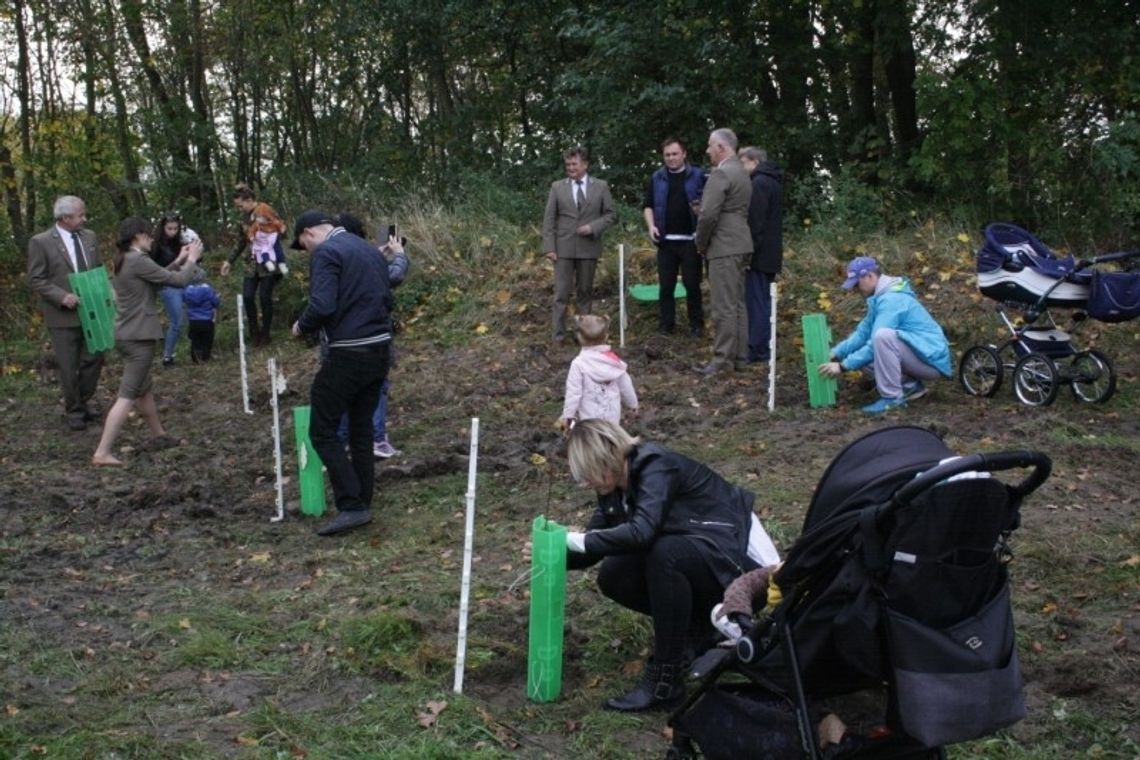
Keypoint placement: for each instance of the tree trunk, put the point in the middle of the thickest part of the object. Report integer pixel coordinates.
(896, 47)
(22, 224)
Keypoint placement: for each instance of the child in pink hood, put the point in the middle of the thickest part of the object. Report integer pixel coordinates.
(598, 384)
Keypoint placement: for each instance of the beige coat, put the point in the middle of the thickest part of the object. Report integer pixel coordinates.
(136, 290)
(48, 268)
(562, 219)
(722, 228)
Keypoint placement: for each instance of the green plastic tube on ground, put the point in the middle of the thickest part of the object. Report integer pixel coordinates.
(547, 610)
(817, 350)
(311, 480)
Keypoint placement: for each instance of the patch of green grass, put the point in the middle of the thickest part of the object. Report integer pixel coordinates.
(1068, 732)
(380, 724)
(383, 640)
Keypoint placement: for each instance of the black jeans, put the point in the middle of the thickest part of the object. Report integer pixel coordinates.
(349, 382)
(671, 583)
(261, 285)
(674, 256)
(201, 334)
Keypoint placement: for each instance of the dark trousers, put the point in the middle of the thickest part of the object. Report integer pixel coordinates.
(349, 382)
(758, 300)
(671, 583)
(679, 256)
(201, 333)
(572, 275)
(255, 288)
(78, 369)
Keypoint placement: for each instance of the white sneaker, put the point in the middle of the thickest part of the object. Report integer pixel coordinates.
(284, 269)
(384, 450)
(269, 265)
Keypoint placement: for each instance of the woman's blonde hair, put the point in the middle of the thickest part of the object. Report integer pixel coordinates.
(597, 449)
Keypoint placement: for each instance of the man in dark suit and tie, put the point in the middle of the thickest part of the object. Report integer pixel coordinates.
(578, 210)
(723, 237)
(53, 254)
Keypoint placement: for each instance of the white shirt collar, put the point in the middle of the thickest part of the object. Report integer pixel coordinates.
(584, 179)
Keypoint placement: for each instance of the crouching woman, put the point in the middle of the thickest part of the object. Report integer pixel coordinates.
(671, 535)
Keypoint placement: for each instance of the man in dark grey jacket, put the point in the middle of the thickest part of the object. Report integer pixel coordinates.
(766, 222)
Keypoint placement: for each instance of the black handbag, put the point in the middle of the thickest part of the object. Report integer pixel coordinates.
(960, 682)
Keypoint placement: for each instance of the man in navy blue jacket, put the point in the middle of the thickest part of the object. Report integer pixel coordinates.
(349, 306)
(670, 210)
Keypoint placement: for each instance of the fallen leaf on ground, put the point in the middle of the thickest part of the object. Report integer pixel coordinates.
(428, 718)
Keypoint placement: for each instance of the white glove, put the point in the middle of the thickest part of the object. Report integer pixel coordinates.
(576, 542)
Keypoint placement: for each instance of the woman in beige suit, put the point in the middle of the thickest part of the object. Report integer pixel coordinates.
(138, 280)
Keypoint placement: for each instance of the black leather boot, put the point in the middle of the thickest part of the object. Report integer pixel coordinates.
(660, 688)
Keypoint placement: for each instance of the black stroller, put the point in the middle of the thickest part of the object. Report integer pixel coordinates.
(1020, 272)
(897, 588)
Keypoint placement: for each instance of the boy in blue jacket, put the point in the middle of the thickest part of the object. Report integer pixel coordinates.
(898, 338)
(201, 302)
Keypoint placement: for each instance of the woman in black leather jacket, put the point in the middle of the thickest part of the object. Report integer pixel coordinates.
(671, 535)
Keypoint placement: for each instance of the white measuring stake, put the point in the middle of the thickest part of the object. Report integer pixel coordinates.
(277, 383)
(468, 545)
(621, 294)
(772, 294)
(241, 355)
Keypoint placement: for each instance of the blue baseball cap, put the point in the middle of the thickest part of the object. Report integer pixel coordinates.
(859, 266)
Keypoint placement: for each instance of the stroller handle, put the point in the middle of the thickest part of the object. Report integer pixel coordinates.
(996, 462)
(1105, 258)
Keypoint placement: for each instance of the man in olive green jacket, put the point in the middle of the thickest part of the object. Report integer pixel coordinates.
(724, 239)
(66, 247)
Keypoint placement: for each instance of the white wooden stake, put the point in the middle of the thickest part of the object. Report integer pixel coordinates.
(468, 545)
(772, 294)
(277, 383)
(621, 294)
(241, 355)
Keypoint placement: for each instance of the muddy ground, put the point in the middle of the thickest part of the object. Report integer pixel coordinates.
(157, 611)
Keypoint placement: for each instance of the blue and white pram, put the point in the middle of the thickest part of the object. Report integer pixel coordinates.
(1021, 273)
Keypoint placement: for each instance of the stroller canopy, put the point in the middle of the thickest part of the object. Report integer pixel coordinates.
(870, 469)
(1015, 267)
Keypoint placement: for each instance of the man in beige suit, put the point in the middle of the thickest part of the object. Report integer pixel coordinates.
(578, 210)
(724, 239)
(52, 255)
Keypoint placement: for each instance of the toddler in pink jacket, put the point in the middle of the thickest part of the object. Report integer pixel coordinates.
(598, 385)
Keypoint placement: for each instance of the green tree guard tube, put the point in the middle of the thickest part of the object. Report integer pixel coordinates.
(817, 351)
(547, 610)
(96, 308)
(312, 482)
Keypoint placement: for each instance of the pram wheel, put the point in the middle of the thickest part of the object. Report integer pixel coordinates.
(980, 371)
(1036, 380)
(1092, 377)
